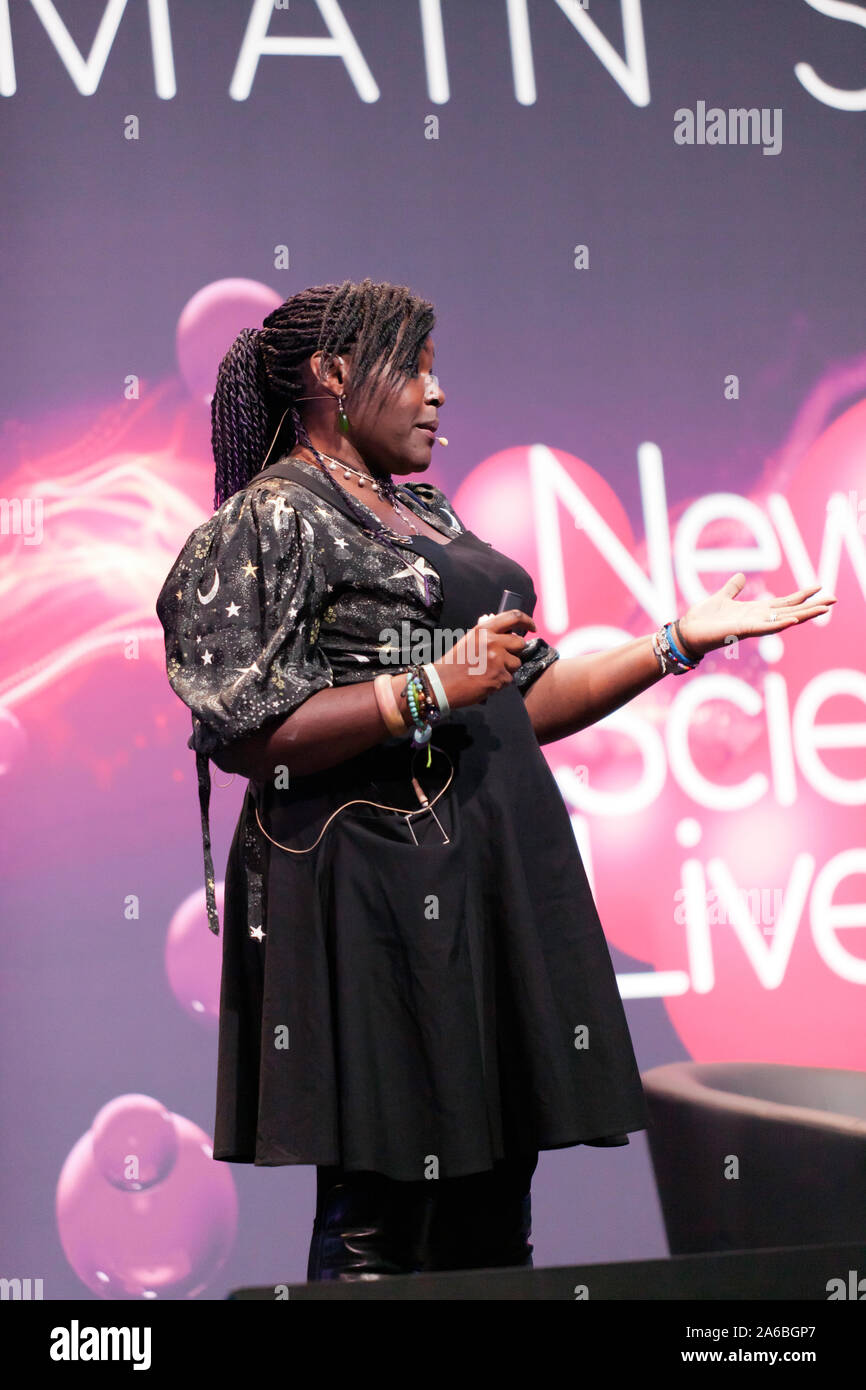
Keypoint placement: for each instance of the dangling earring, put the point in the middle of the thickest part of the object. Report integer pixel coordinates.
(342, 418)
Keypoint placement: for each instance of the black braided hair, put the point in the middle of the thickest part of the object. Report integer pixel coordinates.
(260, 375)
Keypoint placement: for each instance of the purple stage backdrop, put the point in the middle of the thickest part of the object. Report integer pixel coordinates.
(642, 227)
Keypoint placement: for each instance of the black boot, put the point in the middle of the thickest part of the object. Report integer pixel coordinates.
(483, 1221)
(367, 1226)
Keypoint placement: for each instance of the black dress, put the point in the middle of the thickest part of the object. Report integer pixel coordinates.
(417, 997)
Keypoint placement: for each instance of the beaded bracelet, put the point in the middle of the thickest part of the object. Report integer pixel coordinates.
(414, 696)
(668, 655)
(426, 706)
(433, 707)
(423, 706)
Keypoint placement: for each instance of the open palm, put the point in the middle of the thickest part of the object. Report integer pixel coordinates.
(720, 617)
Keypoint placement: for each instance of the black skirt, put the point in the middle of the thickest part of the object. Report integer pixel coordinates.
(422, 1009)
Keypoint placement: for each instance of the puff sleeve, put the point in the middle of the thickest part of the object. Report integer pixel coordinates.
(240, 609)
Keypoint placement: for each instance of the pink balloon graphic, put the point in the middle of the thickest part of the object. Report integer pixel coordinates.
(167, 1241)
(134, 1142)
(209, 323)
(193, 958)
(787, 850)
(496, 502)
(777, 945)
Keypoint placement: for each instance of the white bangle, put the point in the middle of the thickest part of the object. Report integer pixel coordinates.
(383, 689)
(438, 689)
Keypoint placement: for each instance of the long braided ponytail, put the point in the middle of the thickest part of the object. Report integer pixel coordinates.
(260, 375)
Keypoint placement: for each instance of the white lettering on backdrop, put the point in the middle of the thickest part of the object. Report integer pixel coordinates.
(630, 73)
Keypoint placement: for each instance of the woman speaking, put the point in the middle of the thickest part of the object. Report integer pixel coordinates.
(417, 995)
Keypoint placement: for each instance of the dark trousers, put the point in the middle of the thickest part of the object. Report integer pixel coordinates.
(368, 1225)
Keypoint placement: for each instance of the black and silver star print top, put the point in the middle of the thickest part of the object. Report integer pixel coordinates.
(279, 594)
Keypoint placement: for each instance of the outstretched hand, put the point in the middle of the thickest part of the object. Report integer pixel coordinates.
(720, 617)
